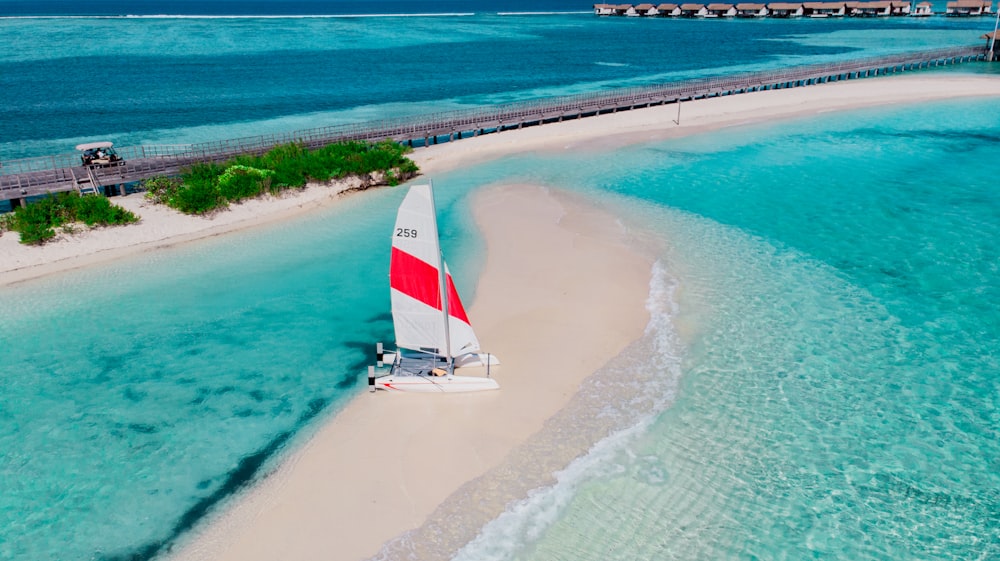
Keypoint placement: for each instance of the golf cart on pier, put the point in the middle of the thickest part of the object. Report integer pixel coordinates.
(99, 154)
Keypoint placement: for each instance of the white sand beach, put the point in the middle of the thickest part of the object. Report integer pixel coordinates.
(367, 476)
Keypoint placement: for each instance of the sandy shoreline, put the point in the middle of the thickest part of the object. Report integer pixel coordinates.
(164, 227)
(328, 500)
(159, 227)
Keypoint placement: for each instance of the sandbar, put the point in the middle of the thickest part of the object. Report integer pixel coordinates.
(561, 292)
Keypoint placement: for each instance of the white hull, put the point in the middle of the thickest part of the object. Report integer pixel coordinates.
(416, 374)
(419, 383)
(464, 361)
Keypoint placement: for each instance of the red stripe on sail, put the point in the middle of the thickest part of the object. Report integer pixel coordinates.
(455, 308)
(419, 280)
(414, 278)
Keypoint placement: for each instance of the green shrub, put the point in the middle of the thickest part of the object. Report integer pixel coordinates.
(240, 182)
(199, 189)
(37, 222)
(197, 198)
(207, 186)
(36, 233)
(6, 222)
(99, 211)
(159, 189)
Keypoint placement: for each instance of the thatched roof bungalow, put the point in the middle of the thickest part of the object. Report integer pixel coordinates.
(825, 9)
(669, 10)
(899, 8)
(693, 10)
(870, 9)
(969, 8)
(785, 10)
(812, 8)
(721, 10)
(748, 10)
(644, 10)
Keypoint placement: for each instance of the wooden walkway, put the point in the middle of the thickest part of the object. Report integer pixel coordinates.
(20, 179)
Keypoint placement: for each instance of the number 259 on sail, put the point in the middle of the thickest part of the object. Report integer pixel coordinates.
(406, 232)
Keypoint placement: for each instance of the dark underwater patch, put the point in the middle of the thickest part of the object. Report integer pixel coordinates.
(143, 428)
(960, 136)
(245, 472)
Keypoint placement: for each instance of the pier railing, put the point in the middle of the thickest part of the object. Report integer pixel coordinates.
(33, 176)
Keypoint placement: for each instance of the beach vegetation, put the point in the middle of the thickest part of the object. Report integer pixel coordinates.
(240, 182)
(37, 222)
(159, 189)
(206, 187)
(6, 222)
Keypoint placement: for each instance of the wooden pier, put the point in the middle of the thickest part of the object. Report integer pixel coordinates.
(21, 179)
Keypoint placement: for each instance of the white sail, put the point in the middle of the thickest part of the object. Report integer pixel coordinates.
(418, 309)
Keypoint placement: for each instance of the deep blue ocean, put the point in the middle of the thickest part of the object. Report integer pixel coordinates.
(834, 391)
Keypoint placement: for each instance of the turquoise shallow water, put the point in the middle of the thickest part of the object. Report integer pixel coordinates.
(140, 394)
(835, 279)
(839, 396)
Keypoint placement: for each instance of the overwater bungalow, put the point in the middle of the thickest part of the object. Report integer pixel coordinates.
(813, 9)
(745, 10)
(993, 43)
(824, 9)
(899, 8)
(669, 10)
(647, 10)
(870, 9)
(693, 10)
(720, 11)
(969, 8)
(785, 10)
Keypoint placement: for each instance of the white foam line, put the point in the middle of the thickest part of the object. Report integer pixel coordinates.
(527, 520)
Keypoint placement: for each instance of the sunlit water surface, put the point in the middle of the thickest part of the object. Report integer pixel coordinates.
(825, 330)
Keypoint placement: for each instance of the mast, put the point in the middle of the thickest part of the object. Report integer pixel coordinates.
(442, 282)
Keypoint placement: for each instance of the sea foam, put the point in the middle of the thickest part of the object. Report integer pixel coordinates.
(658, 357)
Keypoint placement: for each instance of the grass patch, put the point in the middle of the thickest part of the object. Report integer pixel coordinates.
(206, 187)
(37, 222)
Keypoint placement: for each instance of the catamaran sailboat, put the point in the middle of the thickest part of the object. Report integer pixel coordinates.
(433, 334)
